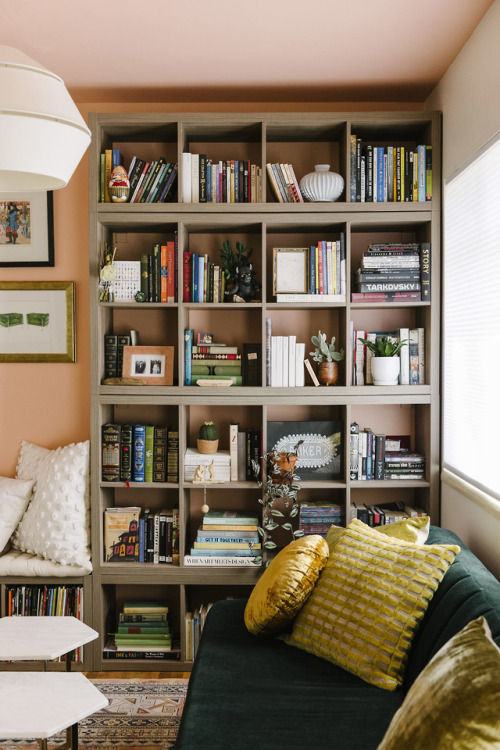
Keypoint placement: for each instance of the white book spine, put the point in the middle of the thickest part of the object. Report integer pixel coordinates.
(284, 362)
(292, 343)
(421, 356)
(195, 178)
(279, 361)
(404, 357)
(300, 353)
(233, 451)
(186, 177)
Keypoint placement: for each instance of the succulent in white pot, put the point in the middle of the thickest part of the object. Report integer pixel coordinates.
(385, 361)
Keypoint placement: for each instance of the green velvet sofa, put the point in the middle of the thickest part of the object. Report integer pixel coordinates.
(249, 693)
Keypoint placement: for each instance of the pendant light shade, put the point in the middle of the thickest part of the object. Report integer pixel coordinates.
(42, 134)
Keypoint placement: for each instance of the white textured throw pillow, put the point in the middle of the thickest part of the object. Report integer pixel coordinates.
(55, 524)
(15, 495)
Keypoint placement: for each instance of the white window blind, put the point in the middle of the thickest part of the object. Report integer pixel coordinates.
(471, 322)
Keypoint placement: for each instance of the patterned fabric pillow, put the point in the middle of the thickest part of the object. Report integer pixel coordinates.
(368, 602)
(414, 529)
(454, 704)
(54, 526)
(285, 585)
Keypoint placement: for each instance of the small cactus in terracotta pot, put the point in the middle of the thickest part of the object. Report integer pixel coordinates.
(208, 438)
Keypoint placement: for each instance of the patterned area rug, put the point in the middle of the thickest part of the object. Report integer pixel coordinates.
(141, 715)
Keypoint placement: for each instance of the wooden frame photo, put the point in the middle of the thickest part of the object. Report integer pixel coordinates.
(290, 270)
(37, 321)
(26, 229)
(152, 364)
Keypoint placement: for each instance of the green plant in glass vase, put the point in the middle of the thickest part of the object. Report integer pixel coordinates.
(279, 501)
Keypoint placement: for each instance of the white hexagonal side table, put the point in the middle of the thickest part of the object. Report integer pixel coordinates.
(42, 638)
(37, 705)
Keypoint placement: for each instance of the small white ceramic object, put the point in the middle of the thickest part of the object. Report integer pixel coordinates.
(322, 185)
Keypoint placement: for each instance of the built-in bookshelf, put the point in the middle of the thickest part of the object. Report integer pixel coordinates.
(349, 227)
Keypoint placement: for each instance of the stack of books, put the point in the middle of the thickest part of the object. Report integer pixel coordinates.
(133, 535)
(143, 632)
(218, 465)
(203, 280)
(378, 515)
(379, 457)
(316, 518)
(284, 184)
(403, 465)
(226, 538)
(215, 361)
(392, 272)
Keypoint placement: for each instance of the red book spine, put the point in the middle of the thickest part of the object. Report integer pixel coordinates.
(171, 271)
(187, 277)
(164, 274)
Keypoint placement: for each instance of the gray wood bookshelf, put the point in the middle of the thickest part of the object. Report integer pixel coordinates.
(303, 140)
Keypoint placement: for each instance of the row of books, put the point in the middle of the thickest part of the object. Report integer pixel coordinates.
(226, 181)
(375, 456)
(219, 523)
(411, 356)
(284, 183)
(134, 535)
(34, 600)
(287, 362)
(153, 181)
(143, 632)
(113, 352)
(323, 271)
(139, 453)
(395, 269)
(194, 623)
(316, 518)
(390, 173)
(379, 515)
(202, 280)
(245, 450)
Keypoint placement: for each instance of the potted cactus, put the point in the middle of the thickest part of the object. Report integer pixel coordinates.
(208, 438)
(327, 358)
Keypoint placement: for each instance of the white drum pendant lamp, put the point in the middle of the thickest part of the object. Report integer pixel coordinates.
(42, 134)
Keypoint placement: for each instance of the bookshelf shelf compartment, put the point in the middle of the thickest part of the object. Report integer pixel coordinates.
(303, 140)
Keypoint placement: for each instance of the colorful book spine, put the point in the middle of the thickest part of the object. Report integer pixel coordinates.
(111, 436)
(139, 443)
(188, 344)
(126, 454)
(148, 453)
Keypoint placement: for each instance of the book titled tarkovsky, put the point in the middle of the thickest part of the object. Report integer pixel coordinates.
(320, 453)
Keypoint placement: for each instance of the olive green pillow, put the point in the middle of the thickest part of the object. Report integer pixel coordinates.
(369, 601)
(415, 529)
(285, 585)
(454, 704)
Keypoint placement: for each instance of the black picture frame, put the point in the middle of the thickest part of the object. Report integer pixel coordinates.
(38, 214)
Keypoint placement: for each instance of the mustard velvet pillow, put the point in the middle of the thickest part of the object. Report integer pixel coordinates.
(454, 704)
(285, 585)
(368, 602)
(414, 529)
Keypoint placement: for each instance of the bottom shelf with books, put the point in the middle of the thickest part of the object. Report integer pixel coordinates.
(51, 597)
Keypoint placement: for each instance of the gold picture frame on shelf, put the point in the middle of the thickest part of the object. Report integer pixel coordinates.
(290, 270)
(153, 365)
(37, 321)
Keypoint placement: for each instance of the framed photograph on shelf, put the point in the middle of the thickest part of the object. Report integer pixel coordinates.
(26, 229)
(290, 270)
(37, 321)
(152, 364)
(319, 455)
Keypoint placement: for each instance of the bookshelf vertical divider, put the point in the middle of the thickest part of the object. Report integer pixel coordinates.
(303, 139)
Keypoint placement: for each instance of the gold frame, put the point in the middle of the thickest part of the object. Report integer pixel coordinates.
(69, 355)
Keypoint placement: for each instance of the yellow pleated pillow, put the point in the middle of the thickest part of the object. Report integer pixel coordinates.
(454, 704)
(285, 585)
(368, 602)
(415, 529)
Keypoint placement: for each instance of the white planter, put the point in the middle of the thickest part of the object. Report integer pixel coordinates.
(385, 370)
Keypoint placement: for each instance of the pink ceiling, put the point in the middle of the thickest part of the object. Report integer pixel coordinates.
(316, 50)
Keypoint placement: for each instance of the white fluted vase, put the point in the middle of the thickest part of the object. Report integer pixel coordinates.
(322, 185)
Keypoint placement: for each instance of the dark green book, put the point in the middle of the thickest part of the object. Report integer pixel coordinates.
(126, 453)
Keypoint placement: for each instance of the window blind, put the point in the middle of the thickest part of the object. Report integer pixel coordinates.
(471, 322)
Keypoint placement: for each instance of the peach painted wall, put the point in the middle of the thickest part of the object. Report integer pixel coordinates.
(49, 403)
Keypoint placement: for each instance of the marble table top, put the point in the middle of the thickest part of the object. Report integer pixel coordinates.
(41, 637)
(37, 705)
